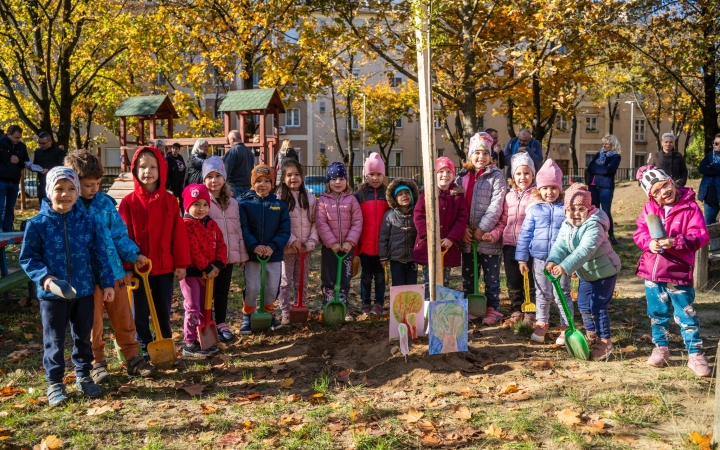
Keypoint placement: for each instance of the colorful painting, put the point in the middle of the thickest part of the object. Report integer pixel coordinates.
(448, 331)
(406, 306)
(444, 293)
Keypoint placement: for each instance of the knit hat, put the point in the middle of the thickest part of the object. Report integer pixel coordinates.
(578, 194)
(336, 169)
(404, 187)
(193, 193)
(444, 162)
(374, 163)
(647, 176)
(262, 170)
(214, 164)
(549, 175)
(521, 159)
(60, 173)
(480, 140)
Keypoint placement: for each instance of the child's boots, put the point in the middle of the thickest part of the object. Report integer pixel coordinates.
(245, 327)
(539, 333)
(99, 372)
(137, 366)
(87, 386)
(561, 339)
(57, 395)
(602, 349)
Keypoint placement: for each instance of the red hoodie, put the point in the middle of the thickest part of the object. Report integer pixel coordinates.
(154, 222)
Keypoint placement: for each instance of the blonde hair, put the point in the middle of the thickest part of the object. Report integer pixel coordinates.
(560, 198)
(346, 191)
(612, 140)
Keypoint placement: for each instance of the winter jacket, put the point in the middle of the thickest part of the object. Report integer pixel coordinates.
(709, 191)
(239, 162)
(534, 148)
(264, 221)
(67, 246)
(338, 220)
(398, 233)
(373, 206)
(154, 223)
(9, 172)
(453, 221)
(194, 168)
(488, 202)
(207, 245)
(539, 230)
(685, 224)
(586, 249)
(302, 224)
(672, 163)
(176, 173)
(118, 245)
(229, 222)
(602, 175)
(47, 159)
(516, 204)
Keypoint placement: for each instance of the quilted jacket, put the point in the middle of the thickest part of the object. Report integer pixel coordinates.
(397, 233)
(229, 222)
(488, 202)
(539, 230)
(264, 221)
(516, 204)
(453, 220)
(207, 245)
(373, 206)
(338, 219)
(302, 224)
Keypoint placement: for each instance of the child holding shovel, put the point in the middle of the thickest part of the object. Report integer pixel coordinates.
(667, 265)
(208, 255)
(397, 234)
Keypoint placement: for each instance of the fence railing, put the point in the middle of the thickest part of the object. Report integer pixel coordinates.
(31, 184)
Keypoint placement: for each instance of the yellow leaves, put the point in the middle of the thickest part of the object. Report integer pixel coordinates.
(286, 383)
(98, 411)
(569, 417)
(51, 442)
(205, 409)
(462, 412)
(510, 388)
(704, 442)
(411, 416)
(493, 431)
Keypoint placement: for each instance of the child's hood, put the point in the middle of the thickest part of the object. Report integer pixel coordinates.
(397, 182)
(162, 169)
(47, 211)
(598, 216)
(252, 195)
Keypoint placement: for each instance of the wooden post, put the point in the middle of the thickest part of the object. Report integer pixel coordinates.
(241, 119)
(141, 133)
(23, 199)
(700, 273)
(152, 128)
(123, 132)
(226, 122)
(170, 127)
(263, 142)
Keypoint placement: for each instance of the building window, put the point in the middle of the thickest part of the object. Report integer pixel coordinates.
(322, 148)
(640, 130)
(292, 117)
(256, 80)
(398, 123)
(440, 152)
(395, 159)
(588, 158)
(640, 159)
(560, 123)
(481, 123)
(438, 121)
(322, 107)
(354, 123)
(591, 124)
(356, 73)
(395, 80)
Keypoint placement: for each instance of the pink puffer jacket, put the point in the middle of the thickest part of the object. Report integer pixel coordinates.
(229, 222)
(515, 205)
(338, 220)
(302, 224)
(686, 225)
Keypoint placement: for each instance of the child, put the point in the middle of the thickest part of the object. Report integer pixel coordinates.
(371, 197)
(208, 254)
(453, 219)
(582, 246)
(667, 265)
(520, 195)
(64, 242)
(397, 234)
(485, 189)
(265, 226)
(119, 248)
(152, 216)
(225, 211)
(539, 231)
(303, 235)
(339, 221)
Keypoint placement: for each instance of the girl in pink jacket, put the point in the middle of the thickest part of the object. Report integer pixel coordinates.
(303, 235)
(339, 223)
(667, 265)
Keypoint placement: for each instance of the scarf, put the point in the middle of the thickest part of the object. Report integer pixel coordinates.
(604, 155)
(715, 157)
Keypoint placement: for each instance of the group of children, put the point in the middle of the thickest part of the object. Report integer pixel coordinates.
(527, 221)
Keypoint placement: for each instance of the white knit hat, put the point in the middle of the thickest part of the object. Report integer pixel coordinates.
(647, 176)
(521, 159)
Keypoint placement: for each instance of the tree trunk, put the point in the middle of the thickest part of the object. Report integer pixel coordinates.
(573, 136)
(612, 110)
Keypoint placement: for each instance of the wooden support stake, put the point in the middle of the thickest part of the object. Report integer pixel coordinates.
(700, 274)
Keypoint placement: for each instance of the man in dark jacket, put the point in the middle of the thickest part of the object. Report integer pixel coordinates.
(176, 173)
(524, 139)
(239, 162)
(670, 160)
(13, 159)
(47, 156)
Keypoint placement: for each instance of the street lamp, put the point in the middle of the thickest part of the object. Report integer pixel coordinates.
(363, 132)
(632, 135)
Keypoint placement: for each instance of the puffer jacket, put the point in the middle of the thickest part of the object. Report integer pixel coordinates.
(709, 190)
(539, 230)
(453, 220)
(339, 219)
(602, 175)
(373, 206)
(194, 168)
(488, 202)
(207, 245)
(586, 249)
(302, 224)
(264, 221)
(686, 225)
(67, 246)
(229, 222)
(398, 233)
(516, 204)
(118, 245)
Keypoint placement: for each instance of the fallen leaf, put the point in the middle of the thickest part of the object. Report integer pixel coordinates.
(354, 415)
(542, 365)
(28, 336)
(152, 422)
(426, 425)
(398, 395)
(343, 375)
(336, 427)
(231, 439)
(286, 383)
(194, 389)
(290, 419)
(205, 409)
(625, 438)
(99, 410)
(318, 395)
(493, 431)
(277, 368)
(431, 440)
(462, 412)
(509, 389)
(51, 442)
(569, 417)
(17, 355)
(465, 392)
(367, 382)
(9, 391)
(704, 442)
(292, 398)
(629, 349)
(411, 416)
(395, 349)
(125, 388)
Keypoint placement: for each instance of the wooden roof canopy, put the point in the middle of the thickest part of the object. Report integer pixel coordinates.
(146, 108)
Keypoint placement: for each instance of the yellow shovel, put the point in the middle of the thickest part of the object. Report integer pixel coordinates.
(527, 306)
(134, 284)
(162, 350)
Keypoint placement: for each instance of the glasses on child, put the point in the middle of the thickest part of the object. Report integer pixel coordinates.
(663, 187)
(580, 209)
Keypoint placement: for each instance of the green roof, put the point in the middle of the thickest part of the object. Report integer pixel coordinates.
(251, 99)
(142, 106)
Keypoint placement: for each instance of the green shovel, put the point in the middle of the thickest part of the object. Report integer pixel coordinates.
(575, 342)
(477, 302)
(335, 310)
(261, 320)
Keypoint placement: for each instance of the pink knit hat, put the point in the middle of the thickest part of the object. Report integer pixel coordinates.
(578, 194)
(444, 162)
(549, 175)
(195, 192)
(374, 163)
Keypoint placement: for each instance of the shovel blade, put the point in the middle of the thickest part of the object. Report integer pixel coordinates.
(299, 314)
(529, 307)
(208, 335)
(162, 352)
(576, 344)
(261, 321)
(334, 312)
(118, 352)
(477, 305)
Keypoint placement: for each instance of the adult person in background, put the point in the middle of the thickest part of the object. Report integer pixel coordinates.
(709, 191)
(524, 139)
(497, 151)
(286, 151)
(47, 156)
(198, 155)
(160, 145)
(13, 159)
(239, 162)
(600, 178)
(176, 173)
(670, 160)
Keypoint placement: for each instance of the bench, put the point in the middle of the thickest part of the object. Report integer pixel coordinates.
(17, 279)
(707, 258)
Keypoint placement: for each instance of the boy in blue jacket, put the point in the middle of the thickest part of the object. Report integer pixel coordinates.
(64, 242)
(265, 225)
(119, 247)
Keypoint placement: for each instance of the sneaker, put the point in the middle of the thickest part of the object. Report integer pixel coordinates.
(561, 339)
(367, 309)
(602, 349)
(275, 324)
(145, 354)
(99, 372)
(349, 317)
(214, 349)
(245, 327)
(377, 310)
(539, 333)
(660, 357)
(194, 351)
(87, 386)
(492, 316)
(137, 366)
(224, 333)
(56, 394)
(286, 317)
(698, 363)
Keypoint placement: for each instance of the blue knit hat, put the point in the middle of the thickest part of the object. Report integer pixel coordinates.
(336, 169)
(404, 187)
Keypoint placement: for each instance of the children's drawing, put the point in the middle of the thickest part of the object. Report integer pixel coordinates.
(448, 326)
(406, 306)
(444, 293)
(404, 345)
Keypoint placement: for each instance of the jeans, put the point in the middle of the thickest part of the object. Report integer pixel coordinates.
(221, 292)
(515, 279)
(659, 297)
(490, 266)
(602, 198)
(161, 287)
(711, 213)
(403, 274)
(8, 198)
(593, 300)
(372, 270)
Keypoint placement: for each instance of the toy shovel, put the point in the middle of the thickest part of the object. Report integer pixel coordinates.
(162, 350)
(335, 310)
(134, 284)
(387, 274)
(62, 289)
(575, 342)
(207, 329)
(527, 306)
(300, 313)
(261, 320)
(655, 227)
(477, 302)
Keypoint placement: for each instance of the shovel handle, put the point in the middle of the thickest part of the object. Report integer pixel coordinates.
(148, 296)
(302, 279)
(556, 282)
(526, 283)
(474, 246)
(340, 259)
(262, 282)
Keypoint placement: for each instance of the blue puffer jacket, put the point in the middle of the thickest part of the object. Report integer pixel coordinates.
(68, 246)
(118, 244)
(264, 221)
(539, 230)
(709, 191)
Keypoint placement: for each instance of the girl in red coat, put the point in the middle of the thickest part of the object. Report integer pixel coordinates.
(152, 216)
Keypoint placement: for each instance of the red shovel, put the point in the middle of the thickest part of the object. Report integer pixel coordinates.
(207, 330)
(300, 313)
